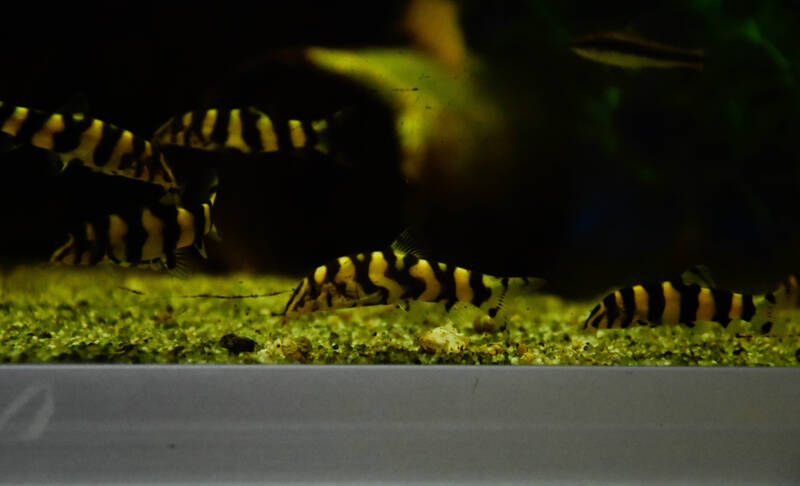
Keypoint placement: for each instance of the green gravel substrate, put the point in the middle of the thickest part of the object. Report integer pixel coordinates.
(83, 315)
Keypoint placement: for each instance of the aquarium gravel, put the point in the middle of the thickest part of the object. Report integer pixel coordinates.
(121, 316)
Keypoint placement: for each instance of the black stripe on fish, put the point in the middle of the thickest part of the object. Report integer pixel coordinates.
(362, 278)
(135, 236)
(689, 302)
(195, 127)
(311, 134)
(34, 121)
(414, 287)
(69, 139)
(331, 269)
(137, 148)
(199, 224)
(282, 133)
(250, 133)
(170, 233)
(722, 306)
(219, 134)
(628, 306)
(109, 137)
(655, 303)
(612, 311)
(748, 308)
(480, 292)
(447, 284)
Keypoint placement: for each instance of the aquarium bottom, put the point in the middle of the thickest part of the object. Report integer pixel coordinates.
(398, 424)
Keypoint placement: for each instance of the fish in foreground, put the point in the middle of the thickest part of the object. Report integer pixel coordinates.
(76, 138)
(247, 130)
(682, 301)
(630, 51)
(151, 236)
(392, 276)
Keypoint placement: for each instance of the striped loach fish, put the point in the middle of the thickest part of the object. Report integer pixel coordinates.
(630, 51)
(392, 276)
(679, 302)
(247, 130)
(149, 236)
(75, 138)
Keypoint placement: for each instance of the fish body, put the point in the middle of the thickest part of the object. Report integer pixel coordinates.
(100, 146)
(633, 52)
(676, 302)
(147, 236)
(390, 277)
(247, 130)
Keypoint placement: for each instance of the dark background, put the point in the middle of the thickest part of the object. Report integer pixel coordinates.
(615, 176)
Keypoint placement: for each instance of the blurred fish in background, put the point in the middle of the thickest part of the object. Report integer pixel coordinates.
(628, 50)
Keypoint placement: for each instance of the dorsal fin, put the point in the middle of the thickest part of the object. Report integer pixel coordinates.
(700, 275)
(408, 242)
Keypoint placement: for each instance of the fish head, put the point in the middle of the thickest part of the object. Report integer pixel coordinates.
(310, 296)
(299, 302)
(598, 318)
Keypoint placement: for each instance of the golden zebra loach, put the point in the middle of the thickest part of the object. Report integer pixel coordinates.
(107, 314)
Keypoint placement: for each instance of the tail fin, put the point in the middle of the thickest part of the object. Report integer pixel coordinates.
(764, 316)
(787, 294)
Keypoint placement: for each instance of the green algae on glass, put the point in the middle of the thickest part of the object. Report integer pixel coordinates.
(95, 315)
